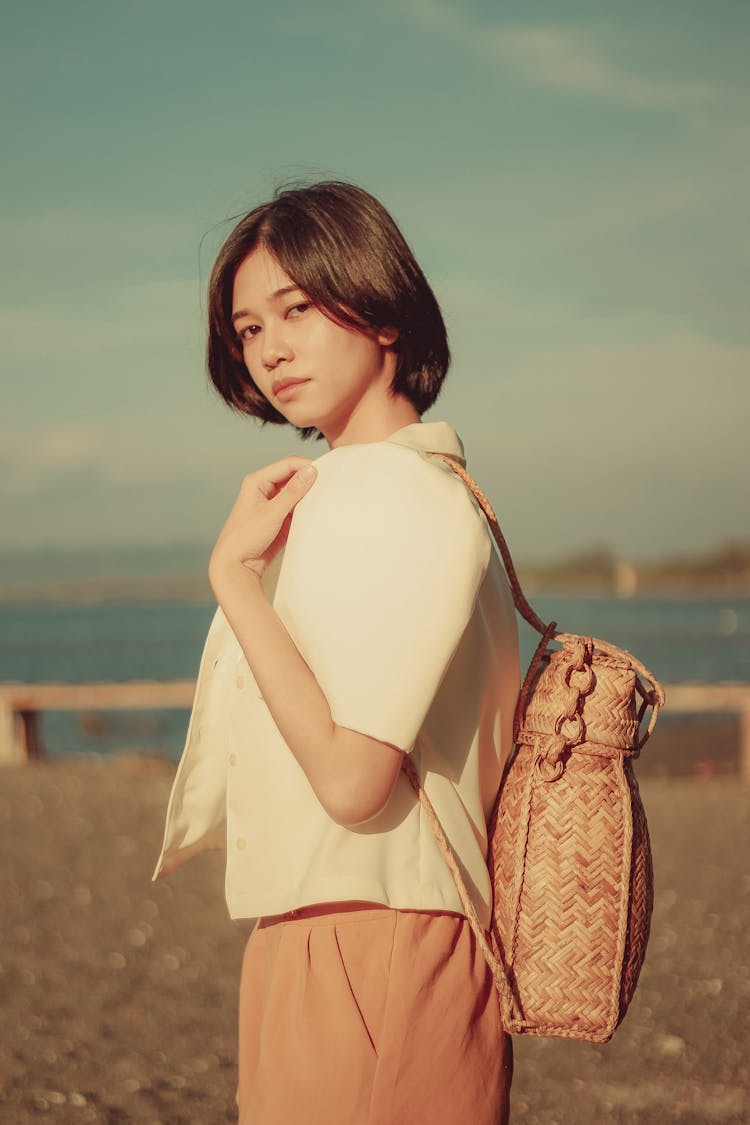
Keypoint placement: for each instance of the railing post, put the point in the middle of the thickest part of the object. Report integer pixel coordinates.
(745, 746)
(6, 733)
(12, 737)
(27, 727)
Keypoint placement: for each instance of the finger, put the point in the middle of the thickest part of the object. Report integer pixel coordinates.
(295, 488)
(281, 470)
(269, 479)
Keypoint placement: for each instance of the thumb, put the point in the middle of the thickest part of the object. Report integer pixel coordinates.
(295, 488)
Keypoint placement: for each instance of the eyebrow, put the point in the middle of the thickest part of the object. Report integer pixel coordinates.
(274, 296)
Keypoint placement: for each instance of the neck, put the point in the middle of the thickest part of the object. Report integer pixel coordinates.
(372, 419)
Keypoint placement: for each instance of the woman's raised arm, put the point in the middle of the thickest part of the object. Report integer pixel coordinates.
(351, 773)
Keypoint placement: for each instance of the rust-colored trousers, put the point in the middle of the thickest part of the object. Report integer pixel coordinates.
(356, 1014)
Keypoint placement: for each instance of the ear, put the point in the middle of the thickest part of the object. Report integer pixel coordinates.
(386, 337)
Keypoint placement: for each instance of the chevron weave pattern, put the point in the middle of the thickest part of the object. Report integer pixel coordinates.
(569, 856)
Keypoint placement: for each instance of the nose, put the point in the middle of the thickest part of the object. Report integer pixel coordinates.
(275, 347)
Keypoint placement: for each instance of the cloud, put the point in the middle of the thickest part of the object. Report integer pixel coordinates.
(152, 315)
(194, 440)
(640, 444)
(106, 233)
(558, 58)
(32, 458)
(673, 406)
(465, 296)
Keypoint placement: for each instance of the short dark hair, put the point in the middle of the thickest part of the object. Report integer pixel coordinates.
(344, 250)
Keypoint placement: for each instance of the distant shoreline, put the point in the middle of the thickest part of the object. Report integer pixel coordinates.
(178, 572)
(91, 591)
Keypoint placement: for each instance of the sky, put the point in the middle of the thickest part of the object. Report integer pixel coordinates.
(572, 178)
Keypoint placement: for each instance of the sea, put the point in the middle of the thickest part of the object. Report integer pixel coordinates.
(678, 638)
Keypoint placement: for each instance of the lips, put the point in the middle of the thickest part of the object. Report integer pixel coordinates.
(279, 385)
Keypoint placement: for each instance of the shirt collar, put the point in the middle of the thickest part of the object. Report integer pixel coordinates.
(431, 437)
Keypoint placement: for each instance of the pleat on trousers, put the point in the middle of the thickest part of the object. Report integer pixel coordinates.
(357, 1014)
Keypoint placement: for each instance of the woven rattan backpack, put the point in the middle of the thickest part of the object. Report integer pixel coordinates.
(569, 853)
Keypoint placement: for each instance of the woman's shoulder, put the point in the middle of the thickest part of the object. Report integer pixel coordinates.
(394, 487)
(354, 461)
(385, 467)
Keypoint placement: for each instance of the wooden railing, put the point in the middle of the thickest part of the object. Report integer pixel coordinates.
(722, 698)
(22, 704)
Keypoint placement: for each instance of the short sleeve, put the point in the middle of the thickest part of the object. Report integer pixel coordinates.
(379, 580)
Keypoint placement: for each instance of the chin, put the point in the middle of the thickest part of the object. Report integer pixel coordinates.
(302, 420)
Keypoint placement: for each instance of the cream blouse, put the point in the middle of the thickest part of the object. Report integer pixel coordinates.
(391, 591)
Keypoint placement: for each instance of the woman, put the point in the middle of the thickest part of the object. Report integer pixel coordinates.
(385, 628)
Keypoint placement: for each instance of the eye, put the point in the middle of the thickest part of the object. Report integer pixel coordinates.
(298, 309)
(247, 333)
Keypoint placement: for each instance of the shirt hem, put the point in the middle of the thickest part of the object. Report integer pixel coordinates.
(428, 896)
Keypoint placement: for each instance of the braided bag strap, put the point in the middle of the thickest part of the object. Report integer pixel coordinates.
(508, 1006)
(653, 697)
(519, 598)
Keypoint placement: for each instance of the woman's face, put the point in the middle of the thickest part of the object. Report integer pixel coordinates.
(313, 371)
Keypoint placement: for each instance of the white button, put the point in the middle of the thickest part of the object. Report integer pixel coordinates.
(241, 843)
(240, 681)
(233, 759)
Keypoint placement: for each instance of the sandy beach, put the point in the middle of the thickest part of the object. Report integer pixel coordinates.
(119, 995)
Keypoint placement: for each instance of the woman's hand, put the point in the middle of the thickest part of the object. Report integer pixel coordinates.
(258, 525)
